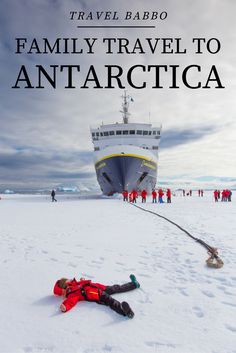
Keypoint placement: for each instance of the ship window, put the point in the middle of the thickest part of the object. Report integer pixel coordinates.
(155, 147)
(158, 132)
(143, 176)
(139, 132)
(97, 134)
(154, 132)
(101, 133)
(93, 134)
(132, 132)
(145, 132)
(111, 133)
(125, 132)
(118, 132)
(106, 177)
(149, 133)
(106, 133)
(96, 148)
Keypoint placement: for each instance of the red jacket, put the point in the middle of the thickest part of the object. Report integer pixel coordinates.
(160, 193)
(154, 194)
(144, 193)
(134, 194)
(79, 291)
(227, 193)
(125, 193)
(168, 193)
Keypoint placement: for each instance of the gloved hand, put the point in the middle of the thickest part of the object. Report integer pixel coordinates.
(63, 308)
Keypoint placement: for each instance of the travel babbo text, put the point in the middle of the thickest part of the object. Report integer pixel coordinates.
(115, 15)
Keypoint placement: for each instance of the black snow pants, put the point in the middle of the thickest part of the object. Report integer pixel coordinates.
(114, 304)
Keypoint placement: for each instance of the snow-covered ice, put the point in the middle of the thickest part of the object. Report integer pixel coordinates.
(182, 305)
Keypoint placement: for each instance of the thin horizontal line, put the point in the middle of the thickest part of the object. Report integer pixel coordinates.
(116, 26)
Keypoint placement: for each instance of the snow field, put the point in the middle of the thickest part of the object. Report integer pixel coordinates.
(182, 305)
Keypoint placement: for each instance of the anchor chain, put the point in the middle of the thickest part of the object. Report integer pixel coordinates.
(214, 261)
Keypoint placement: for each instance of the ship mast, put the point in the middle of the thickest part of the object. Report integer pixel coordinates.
(125, 108)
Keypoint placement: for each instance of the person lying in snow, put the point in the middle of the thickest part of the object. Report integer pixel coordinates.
(75, 291)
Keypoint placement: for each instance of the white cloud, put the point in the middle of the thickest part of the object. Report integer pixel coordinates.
(58, 120)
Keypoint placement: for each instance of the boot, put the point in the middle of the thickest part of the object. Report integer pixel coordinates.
(127, 310)
(134, 281)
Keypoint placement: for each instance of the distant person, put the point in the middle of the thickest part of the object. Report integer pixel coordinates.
(53, 194)
(223, 196)
(202, 193)
(154, 196)
(199, 193)
(134, 195)
(125, 195)
(190, 192)
(228, 195)
(144, 196)
(216, 195)
(183, 192)
(168, 195)
(85, 290)
(130, 197)
(160, 196)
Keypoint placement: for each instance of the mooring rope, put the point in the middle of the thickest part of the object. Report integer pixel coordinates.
(213, 261)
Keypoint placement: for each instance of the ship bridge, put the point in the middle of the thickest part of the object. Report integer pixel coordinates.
(134, 134)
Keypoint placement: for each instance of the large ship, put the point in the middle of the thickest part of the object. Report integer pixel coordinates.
(126, 154)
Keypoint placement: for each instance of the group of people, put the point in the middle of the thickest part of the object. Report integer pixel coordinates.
(133, 195)
(157, 195)
(187, 193)
(200, 193)
(225, 195)
(190, 193)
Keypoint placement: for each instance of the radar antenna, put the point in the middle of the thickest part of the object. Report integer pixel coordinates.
(125, 108)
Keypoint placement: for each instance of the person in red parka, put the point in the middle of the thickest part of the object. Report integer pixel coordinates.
(168, 195)
(223, 196)
(216, 195)
(227, 195)
(75, 291)
(130, 197)
(154, 196)
(125, 195)
(134, 195)
(144, 195)
(160, 195)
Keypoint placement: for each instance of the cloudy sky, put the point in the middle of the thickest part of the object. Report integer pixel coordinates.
(44, 133)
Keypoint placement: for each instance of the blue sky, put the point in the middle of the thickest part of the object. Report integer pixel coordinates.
(44, 134)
